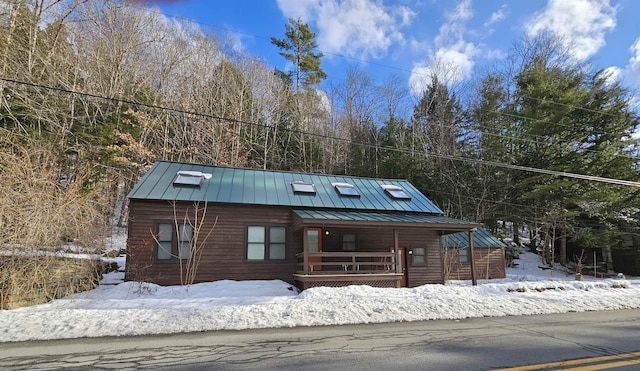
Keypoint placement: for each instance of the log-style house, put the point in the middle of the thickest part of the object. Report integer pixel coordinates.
(306, 229)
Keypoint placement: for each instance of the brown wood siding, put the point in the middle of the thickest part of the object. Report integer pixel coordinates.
(431, 271)
(489, 264)
(224, 253)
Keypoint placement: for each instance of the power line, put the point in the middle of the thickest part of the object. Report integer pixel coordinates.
(540, 120)
(542, 142)
(485, 200)
(591, 110)
(345, 140)
(359, 60)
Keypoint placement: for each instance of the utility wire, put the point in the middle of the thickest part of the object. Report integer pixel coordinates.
(344, 140)
(359, 60)
(542, 142)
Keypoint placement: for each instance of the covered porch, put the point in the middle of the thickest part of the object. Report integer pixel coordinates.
(377, 269)
(341, 248)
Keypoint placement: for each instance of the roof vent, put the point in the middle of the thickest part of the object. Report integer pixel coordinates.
(396, 192)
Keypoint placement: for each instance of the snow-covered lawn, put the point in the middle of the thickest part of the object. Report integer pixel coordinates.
(120, 309)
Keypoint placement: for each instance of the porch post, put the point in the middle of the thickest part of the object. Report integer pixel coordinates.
(472, 259)
(305, 252)
(395, 251)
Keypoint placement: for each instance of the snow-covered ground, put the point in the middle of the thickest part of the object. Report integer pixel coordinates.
(120, 309)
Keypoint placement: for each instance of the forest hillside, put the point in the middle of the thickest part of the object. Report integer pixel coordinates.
(93, 92)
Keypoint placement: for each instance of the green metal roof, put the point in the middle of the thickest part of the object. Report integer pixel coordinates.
(482, 238)
(382, 217)
(263, 187)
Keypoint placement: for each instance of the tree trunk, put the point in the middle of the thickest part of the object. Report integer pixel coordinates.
(563, 247)
(608, 257)
(546, 246)
(516, 233)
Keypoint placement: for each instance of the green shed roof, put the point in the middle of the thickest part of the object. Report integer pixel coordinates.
(482, 238)
(264, 187)
(382, 218)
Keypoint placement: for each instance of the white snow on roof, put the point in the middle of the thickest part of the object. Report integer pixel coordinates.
(195, 174)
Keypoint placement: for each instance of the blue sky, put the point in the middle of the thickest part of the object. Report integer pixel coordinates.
(412, 38)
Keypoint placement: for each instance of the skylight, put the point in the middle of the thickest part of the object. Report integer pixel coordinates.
(190, 178)
(346, 189)
(396, 192)
(303, 187)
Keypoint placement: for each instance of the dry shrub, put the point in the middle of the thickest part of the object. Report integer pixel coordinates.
(451, 264)
(42, 206)
(30, 280)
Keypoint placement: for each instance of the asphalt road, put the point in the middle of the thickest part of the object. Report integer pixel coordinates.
(473, 344)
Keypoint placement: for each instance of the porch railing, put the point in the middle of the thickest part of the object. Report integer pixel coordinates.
(347, 263)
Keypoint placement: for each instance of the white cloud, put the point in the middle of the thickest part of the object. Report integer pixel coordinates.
(634, 61)
(612, 74)
(454, 27)
(631, 73)
(497, 16)
(581, 24)
(406, 14)
(234, 41)
(495, 54)
(302, 9)
(451, 64)
(462, 12)
(452, 61)
(357, 28)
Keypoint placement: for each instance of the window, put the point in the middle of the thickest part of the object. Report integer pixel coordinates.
(255, 243)
(303, 187)
(419, 256)
(190, 178)
(266, 243)
(313, 240)
(185, 231)
(463, 255)
(165, 241)
(277, 239)
(346, 189)
(187, 180)
(396, 192)
(349, 242)
(169, 246)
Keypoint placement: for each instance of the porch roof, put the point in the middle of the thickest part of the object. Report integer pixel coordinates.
(363, 218)
(482, 238)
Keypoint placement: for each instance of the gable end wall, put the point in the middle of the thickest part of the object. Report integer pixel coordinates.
(223, 256)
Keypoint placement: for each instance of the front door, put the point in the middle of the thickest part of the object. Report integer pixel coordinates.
(401, 264)
(314, 245)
